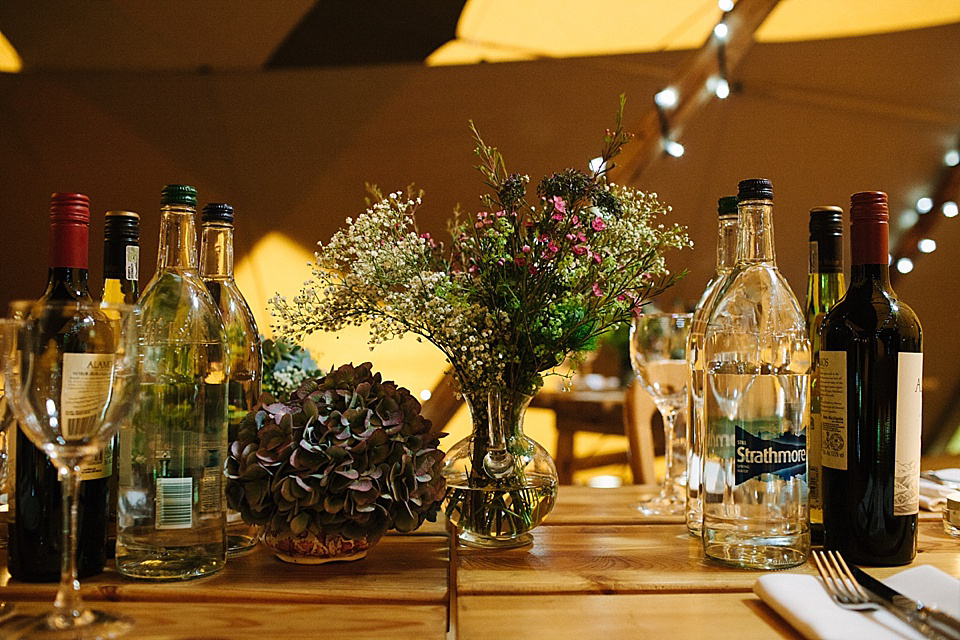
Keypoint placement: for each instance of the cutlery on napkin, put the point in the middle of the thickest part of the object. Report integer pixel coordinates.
(803, 602)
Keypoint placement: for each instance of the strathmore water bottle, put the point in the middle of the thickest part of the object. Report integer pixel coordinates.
(756, 405)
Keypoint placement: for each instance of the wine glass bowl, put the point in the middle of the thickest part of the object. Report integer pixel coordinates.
(71, 373)
(658, 356)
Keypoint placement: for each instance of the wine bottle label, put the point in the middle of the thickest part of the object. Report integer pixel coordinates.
(101, 466)
(784, 455)
(832, 385)
(132, 262)
(210, 489)
(174, 503)
(814, 263)
(85, 392)
(814, 445)
(906, 487)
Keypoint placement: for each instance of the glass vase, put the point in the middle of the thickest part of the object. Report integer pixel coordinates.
(500, 483)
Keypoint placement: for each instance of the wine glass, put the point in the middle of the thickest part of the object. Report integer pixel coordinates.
(658, 344)
(71, 374)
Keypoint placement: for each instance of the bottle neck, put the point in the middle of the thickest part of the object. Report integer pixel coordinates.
(869, 251)
(216, 252)
(755, 245)
(826, 253)
(68, 277)
(727, 239)
(178, 238)
(120, 291)
(861, 274)
(67, 283)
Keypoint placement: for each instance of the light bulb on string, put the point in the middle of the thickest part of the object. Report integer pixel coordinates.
(927, 245)
(952, 158)
(950, 209)
(666, 98)
(674, 148)
(924, 205)
(904, 265)
(721, 31)
(725, 5)
(722, 89)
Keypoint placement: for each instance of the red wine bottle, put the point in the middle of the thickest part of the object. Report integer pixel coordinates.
(870, 399)
(34, 528)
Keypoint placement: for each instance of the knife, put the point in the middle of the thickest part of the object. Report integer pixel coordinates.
(907, 608)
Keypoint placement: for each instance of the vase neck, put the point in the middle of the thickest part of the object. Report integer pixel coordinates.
(512, 408)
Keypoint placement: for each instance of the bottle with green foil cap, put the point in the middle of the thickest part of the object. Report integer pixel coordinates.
(171, 512)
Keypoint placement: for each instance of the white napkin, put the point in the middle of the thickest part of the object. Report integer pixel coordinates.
(932, 495)
(803, 601)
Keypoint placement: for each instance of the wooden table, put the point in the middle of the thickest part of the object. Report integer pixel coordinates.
(597, 569)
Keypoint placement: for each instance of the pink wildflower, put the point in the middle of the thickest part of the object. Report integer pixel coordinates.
(520, 261)
(559, 204)
(525, 248)
(478, 224)
(579, 250)
(501, 213)
(597, 259)
(575, 221)
(597, 291)
(552, 247)
(598, 224)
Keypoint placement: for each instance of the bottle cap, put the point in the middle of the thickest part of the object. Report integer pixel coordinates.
(179, 194)
(727, 206)
(69, 230)
(121, 225)
(69, 207)
(755, 189)
(826, 221)
(869, 205)
(217, 212)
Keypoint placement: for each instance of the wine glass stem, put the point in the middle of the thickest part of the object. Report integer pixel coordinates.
(70, 608)
(669, 415)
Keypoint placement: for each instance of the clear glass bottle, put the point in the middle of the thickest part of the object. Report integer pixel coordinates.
(825, 286)
(871, 371)
(121, 273)
(726, 257)
(243, 343)
(756, 405)
(171, 520)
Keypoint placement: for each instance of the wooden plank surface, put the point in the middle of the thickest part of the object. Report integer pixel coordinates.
(691, 616)
(154, 621)
(399, 569)
(624, 559)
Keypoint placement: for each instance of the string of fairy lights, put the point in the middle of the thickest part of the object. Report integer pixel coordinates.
(718, 84)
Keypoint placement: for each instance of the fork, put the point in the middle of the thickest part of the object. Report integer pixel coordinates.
(849, 594)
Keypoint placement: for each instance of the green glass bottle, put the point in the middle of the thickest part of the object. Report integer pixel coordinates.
(825, 286)
(171, 513)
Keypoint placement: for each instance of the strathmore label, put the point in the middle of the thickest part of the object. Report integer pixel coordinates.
(784, 456)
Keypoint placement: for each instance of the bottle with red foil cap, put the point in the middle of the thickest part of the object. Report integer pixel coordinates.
(870, 375)
(34, 528)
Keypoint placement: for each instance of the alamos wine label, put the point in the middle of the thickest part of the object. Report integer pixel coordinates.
(906, 486)
(784, 456)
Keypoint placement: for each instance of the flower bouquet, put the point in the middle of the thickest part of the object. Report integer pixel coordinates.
(522, 285)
